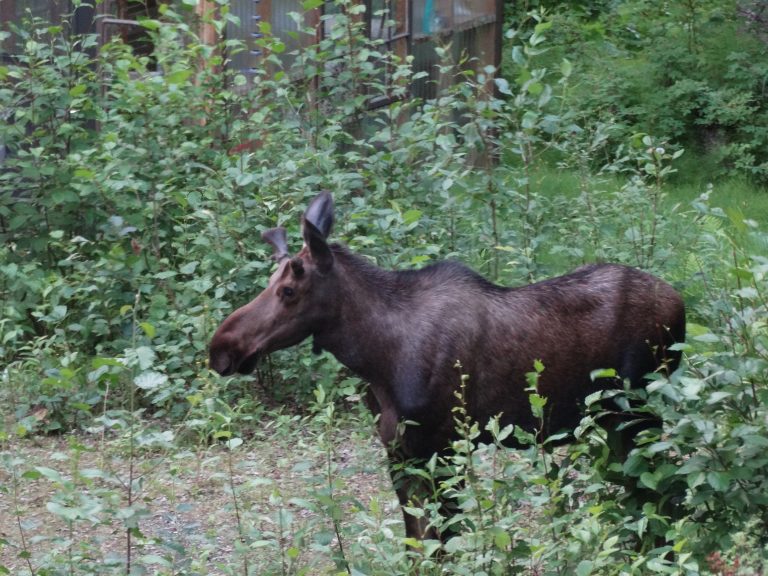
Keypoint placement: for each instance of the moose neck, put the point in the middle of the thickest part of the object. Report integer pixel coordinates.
(369, 326)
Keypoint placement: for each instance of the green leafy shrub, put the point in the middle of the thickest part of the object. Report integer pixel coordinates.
(136, 188)
(689, 72)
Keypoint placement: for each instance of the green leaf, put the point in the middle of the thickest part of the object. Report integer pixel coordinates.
(149, 23)
(529, 120)
(155, 559)
(649, 480)
(707, 338)
(312, 4)
(65, 512)
(502, 539)
(566, 68)
(77, 90)
(415, 512)
(84, 173)
(189, 267)
(584, 568)
(412, 216)
(543, 26)
(603, 373)
(150, 380)
(535, 88)
(446, 142)
(50, 473)
(503, 85)
(165, 274)
(718, 396)
(518, 57)
(178, 77)
(324, 537)
(680, 347)
(635, 465)
(149, 330)
(637, 139)
(720, 481)
(233, 443)
(146, 356)
(99, 362)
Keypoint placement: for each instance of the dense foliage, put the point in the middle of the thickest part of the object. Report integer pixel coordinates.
(131, 205)
(692, 71)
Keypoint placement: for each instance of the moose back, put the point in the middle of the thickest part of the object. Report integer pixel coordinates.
(404, 331)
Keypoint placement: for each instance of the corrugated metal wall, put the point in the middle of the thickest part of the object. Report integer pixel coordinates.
(248, 11)
(251, 13)
(284, 26)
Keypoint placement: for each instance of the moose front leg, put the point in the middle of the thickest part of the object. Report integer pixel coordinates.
(410, 476)
(415, 488)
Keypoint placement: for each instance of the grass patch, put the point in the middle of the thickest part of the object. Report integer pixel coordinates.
(732, 193)
(729, 194)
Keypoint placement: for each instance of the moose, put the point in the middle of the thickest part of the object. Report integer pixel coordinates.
(404, 332)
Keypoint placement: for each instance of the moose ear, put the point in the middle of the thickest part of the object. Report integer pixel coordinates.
(320, 213)
(314, 239)
(276, 238)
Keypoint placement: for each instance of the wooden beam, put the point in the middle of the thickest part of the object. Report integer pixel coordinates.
(204, 10)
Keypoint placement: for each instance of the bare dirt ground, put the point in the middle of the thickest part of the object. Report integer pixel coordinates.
(65, 499)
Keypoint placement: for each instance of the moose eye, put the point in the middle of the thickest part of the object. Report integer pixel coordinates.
(288, 292)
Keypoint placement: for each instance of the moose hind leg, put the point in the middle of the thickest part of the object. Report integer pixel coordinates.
(624, 423)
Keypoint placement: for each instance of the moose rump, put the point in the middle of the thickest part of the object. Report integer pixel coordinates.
(405, 331)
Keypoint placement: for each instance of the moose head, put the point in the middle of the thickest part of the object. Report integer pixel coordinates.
(297, 301)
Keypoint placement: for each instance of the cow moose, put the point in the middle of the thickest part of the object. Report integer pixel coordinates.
(404, 331)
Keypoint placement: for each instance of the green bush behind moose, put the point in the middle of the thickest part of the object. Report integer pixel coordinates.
(130, 229)
(692, 71)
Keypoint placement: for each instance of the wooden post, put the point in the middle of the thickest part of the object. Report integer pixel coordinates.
(204, 10)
